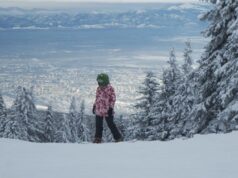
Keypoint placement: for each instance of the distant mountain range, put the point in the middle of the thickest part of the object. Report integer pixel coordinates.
(165, 16)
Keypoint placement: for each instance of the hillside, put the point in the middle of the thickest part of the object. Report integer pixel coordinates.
(210, 156)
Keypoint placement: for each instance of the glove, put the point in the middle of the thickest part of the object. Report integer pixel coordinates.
(94, 109)
(110, 112)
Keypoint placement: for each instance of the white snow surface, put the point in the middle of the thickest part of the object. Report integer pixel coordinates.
(207, 156)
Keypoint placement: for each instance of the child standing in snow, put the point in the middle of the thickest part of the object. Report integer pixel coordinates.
(103, 108)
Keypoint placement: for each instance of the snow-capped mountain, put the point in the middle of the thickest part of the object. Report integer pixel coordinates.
(157, 17)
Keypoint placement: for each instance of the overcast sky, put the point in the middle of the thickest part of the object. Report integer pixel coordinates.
(109, 1)
(71, 3)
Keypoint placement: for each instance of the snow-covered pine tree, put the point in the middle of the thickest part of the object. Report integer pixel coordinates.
(122, 124)
(162, 109)
(215, 109)
(188, 62)
(49, 125)
(183, 102)
(65, 132)
(16, 123)
(172, 75)
(183, 97)
(131, 129)
(3, 115)
(148, 91)
(21, 121)
(73, 119)
(82, 110)
(159, 115)
(83, 132)
(35, 126)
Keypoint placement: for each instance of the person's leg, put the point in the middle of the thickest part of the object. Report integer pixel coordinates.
(116, 134)
(99, 129)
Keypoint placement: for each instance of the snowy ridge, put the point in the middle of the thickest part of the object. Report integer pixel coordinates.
(210, 156)
(17, 18)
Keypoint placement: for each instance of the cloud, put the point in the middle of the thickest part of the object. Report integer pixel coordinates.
(105, 1)
(183, 39)
(16, 2)
(76, 3)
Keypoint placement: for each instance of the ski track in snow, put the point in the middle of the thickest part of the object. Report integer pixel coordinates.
(207, 156)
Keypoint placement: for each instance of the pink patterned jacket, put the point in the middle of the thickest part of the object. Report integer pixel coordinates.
(105, 98)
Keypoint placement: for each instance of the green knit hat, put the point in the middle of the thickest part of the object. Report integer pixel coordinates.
(103, 79)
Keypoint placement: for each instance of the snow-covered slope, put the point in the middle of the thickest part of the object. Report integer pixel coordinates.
(208, 156)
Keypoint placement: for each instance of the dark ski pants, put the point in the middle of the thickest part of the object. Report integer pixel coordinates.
(99, 127)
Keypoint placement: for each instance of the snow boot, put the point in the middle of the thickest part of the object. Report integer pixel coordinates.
(119, 140)
(97, 140)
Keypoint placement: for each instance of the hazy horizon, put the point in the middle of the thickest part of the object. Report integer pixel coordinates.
(60, 54)
(83, 3)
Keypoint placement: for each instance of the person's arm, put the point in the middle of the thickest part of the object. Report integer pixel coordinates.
(112, 98)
